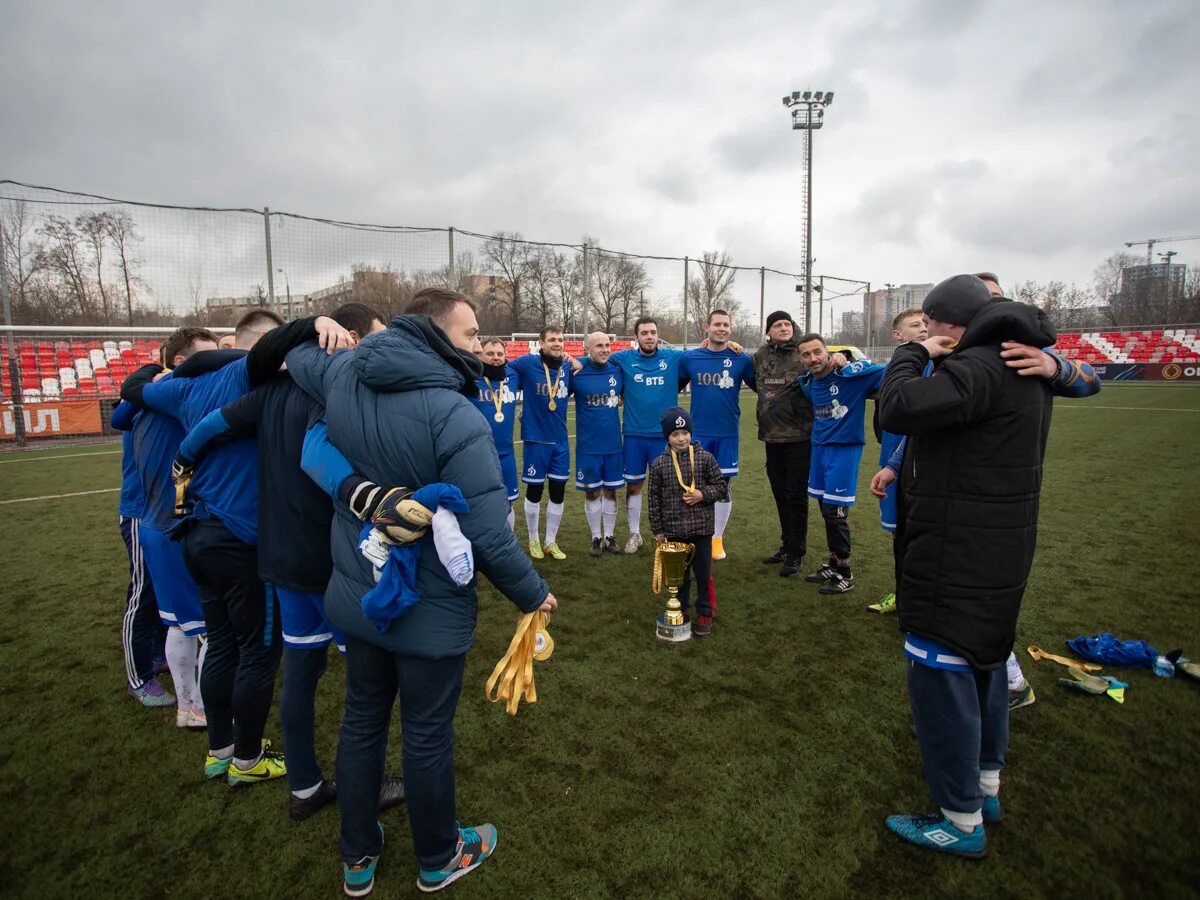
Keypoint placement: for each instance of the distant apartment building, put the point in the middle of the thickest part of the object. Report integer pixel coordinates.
(1171, 275)
(881, 306)
(852, 324)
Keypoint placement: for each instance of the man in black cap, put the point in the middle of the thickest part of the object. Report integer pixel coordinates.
(785, 419)
(965, 540)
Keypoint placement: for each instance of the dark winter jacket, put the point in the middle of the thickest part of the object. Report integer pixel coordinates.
(395, 408)
(784, 414)
(970, 482)
(669, 515)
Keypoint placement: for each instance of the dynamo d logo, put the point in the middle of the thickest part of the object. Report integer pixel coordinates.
(680, 422)
(728, 363)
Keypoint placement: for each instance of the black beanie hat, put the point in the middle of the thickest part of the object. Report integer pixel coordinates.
(675, 418)
(778, 316)
(956, 300)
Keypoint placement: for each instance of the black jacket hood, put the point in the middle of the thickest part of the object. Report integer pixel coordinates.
(1007, 320)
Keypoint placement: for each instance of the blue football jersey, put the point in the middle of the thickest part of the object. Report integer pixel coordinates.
(597, 391)
(651, 387)
(716, 378)
(839, 401)
(486, 392)
(539, 423)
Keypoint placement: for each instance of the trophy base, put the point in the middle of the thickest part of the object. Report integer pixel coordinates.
(672, 633)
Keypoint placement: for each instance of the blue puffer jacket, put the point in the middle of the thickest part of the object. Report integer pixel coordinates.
(394, 409)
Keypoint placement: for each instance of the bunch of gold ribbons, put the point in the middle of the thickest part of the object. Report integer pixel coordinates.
(512, 678)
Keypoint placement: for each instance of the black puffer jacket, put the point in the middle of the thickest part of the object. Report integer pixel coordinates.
(970, 483)
(784, 414)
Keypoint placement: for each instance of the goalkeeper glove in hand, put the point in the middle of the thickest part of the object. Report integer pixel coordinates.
(393, 512)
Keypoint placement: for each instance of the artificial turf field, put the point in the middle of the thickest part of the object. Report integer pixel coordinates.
(760, 761)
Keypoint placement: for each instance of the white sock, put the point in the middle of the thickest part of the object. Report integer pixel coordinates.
(1016, 678)
(989, 782)
(511, 519)
(633, 509)
(721, 511)
(964, 821)
(223, 753)
(532, 513)
(181, 660)
(247, 763)
(198, 697)
(608, 515)
(591, 509)
(307, 792)
(554, 513)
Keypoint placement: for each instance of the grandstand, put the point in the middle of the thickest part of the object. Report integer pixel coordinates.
(70, 368)
(1174, 345)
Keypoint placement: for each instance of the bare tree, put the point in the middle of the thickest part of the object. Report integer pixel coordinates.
(511, 256)
(567, 276)
(23, 256)
(712, 288)
(64, 256)
(619, 282)
(93, 227)
(540, 287)
(122, 231)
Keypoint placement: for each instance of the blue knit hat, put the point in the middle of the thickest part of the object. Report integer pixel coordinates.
(675, 418)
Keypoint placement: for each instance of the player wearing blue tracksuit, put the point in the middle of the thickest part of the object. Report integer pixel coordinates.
(545, 379)
(651, 388)
(496, 397)
(839, 401)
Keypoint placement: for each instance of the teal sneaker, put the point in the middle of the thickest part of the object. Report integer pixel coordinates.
(358, 879)
(938, 833)
(991, 810)
(474, 846)
(215, 766)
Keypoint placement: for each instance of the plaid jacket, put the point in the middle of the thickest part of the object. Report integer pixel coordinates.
(669, 515)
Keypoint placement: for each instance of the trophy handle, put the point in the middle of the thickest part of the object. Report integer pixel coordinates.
(656, 577)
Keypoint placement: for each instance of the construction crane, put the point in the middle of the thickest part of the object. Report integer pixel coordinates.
(1150, 242)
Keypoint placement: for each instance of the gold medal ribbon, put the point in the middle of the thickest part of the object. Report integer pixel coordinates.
(552, 388)
(497, 397)
(1038, 653)
(512, 678)
(679, 474)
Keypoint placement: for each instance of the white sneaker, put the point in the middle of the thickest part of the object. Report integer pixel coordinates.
(197, 719)
(634, 543)
(181, 717)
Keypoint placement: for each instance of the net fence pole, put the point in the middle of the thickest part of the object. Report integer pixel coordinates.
(762, 300)
(450, 249)
(270, 263)
(14, 372)
(685, 293)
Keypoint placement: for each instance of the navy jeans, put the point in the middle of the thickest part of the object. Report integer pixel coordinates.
(428, 690)
(302, 671)
(962, 727)
(244, 641)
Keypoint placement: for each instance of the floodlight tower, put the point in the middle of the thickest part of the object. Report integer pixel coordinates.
(808, 114)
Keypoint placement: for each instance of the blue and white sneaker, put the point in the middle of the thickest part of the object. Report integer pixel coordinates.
(474, 846)
(358, 880)
(991, 810)
(938, 833)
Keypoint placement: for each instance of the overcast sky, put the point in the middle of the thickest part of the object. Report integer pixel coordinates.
(1032, 138)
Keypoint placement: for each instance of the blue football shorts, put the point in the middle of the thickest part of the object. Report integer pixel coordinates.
(833, 474)
(178, 597)
(302, 620)
(639, 452)
(596, 470)
(544, 461)
(725, 450)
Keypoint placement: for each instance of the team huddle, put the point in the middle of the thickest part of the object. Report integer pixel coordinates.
(351, 497)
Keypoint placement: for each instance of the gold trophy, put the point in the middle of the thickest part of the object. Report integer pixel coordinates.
(671, 559)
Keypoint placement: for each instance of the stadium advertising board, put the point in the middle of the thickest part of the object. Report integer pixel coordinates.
(49, 420)
(1188, 372)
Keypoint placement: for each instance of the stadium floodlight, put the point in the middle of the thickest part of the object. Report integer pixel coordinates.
(787, 100)
(808, 114)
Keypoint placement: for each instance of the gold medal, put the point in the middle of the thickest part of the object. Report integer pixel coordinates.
(497, 398)
(499, 416)
(688, 488)
(552, 389)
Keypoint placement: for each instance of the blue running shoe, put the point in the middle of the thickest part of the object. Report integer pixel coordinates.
(358, 880)
(938, 833)
(991, 810)
(474, 846)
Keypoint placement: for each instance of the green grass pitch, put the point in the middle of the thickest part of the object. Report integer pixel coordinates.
(759, 762)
